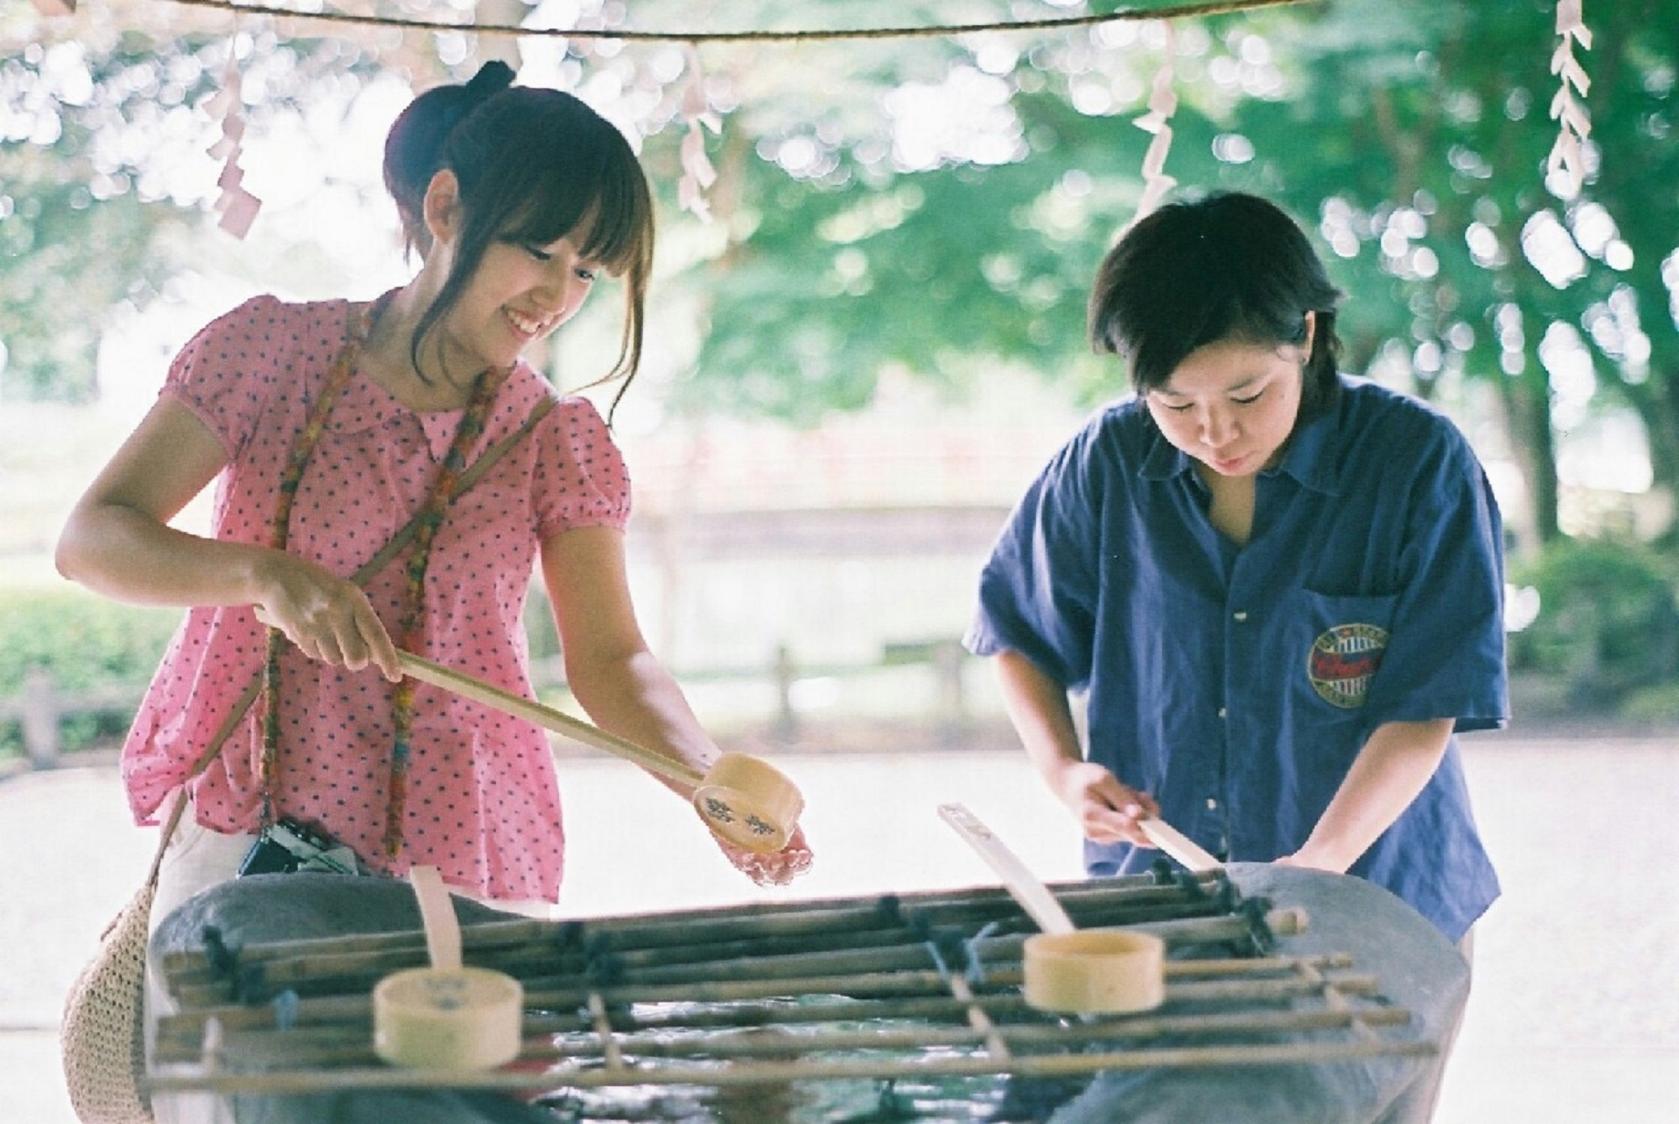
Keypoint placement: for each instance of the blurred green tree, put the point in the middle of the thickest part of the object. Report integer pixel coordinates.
(864, 230)
(1422, 140)
(940, 204)
(82, 214)
(103, 171)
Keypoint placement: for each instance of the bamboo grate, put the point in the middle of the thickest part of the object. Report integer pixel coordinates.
(896, 987)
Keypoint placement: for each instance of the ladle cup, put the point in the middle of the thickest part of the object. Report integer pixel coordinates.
(1088, 972)
(446, 1016)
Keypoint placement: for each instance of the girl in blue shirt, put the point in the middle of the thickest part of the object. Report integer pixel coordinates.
(1279, 588)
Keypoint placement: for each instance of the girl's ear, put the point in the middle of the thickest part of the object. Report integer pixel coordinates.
(1311, 331)
(442, 207)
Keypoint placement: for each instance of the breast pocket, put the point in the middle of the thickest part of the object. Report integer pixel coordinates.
(1336, 647)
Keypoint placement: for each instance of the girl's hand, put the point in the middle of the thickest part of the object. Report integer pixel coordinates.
(777, 868)
(328, 618)
(1107, 810)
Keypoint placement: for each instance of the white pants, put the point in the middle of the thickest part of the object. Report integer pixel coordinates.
(197, 859)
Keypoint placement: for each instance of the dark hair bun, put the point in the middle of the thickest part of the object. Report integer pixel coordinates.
(414, 148)
(492, 78)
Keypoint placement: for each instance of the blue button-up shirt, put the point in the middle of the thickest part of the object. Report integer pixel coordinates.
(1237, 684)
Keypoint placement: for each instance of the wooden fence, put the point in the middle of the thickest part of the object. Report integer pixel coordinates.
(42, 706)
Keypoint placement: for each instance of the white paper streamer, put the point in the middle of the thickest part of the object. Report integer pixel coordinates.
(238, 207)
(697, 172)
(1574, 124)
(1162, 103)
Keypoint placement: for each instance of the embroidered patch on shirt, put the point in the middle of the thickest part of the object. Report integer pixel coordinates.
(1343, 659)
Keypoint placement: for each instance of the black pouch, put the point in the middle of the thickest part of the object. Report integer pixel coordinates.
(286, 845)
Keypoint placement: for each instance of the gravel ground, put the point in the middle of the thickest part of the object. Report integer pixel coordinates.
(1574, 1016)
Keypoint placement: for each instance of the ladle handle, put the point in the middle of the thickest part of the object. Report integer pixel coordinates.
(1179, 846)
(437, 914)
(545, 716)
(460, 683)
(1034, 897)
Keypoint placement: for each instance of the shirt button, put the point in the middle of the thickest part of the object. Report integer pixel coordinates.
(1212, 804)
(1240, 615)
(1223, 713)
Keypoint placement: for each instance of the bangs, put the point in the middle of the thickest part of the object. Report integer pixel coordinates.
(610, 209)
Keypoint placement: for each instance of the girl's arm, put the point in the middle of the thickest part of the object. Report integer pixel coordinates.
(1386, 776)
(618, 681)
(608, 666)
(118, 542)
(1107, 809)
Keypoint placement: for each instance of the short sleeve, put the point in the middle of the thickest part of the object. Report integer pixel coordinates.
(225, 374)
(1445, 654)
(580, 479)
(1038, 591)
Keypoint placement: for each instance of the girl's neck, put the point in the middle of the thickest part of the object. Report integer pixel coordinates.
(388, 355)
(1231, 510)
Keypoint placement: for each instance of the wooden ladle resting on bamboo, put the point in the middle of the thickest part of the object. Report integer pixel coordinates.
(1083, 972)
(741, 798)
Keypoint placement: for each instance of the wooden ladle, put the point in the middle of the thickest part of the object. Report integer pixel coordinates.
(1179, 846)
(745, 800)
(741, 798)
(446, 1016)
(1085, 972)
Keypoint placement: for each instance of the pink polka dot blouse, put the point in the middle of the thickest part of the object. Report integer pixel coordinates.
(483, 805)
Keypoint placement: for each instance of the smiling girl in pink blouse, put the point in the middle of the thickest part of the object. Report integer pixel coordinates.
(328, 427)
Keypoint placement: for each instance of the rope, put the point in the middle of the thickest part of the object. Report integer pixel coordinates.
(286, 1009)
(976, 964)
(224, 961)
(1261, 940)
(1170, 11)
(939, 942)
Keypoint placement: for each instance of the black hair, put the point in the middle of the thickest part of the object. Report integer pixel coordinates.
(533, 165)
(1227, 266)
